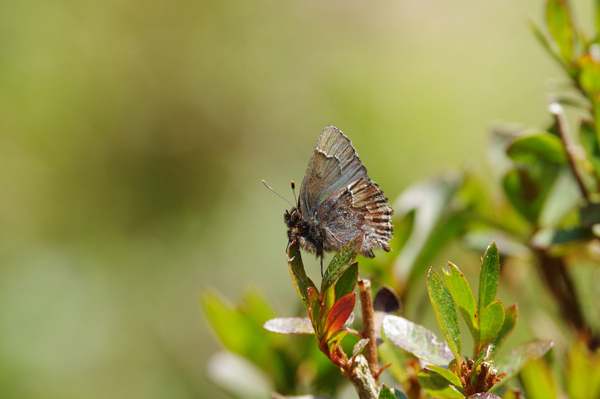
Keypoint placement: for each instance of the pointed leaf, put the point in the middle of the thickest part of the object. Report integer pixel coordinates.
(558, 18)
(445, 312)
(482, 356)
(437, 386)
(516, 359)
(582, 374)
(360, 345)
(590, 74)
(347, 282)
(393, 393)
(510, 319)
(589, 141)
(463, 298)
(492, 320)
(341, 262)
(488, 277)
(417, 340)
(290, 325)
(334, 341)
(536, 147)
(545, 43)
(447, 374)
(299, 278)
(339, 313)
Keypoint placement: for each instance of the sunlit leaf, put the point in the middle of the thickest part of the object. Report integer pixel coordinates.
(314, 308)
(347, 282)
(589, 140)
(510, 319)
(290, 325)
(582, 374)
(488, 277)
(341, 262)
(516, 359)
(299, 278)
(447, 374)
(482, 356)
(417, 340)
(360, 345)
(437, 386)
(393, 393)
(558, 18)
(463, 298)
(339, 313)
(492, 319)
(590, 74)
(537, 147)
(445, 312)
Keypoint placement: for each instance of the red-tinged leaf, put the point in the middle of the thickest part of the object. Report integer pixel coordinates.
(314, 308)
(339, 313)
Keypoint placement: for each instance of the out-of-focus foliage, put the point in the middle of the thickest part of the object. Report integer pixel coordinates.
(134, 135)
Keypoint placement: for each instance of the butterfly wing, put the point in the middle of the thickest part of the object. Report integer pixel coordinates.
(334, 165)
(359, 208)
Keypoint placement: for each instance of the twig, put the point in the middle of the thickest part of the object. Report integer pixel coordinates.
(360, 376)
(563, 129)
(364, 287)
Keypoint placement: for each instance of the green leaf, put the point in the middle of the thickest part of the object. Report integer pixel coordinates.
(387, 393)
(417, 340)
(510, 319)
(482, 356)
(290, 325)
(545, 43)
(341, 262)
(299, 278)
(516, 359)
(589, 141)
(447, 374)
(339, 313)
(445, 312)
(558, 18)
(463, 298)
(488, 277)
(536, 147)
(538, 381)
(589, 78)
(314, 309)
(492, 320)
(582, 374)
(347, 282)
(437, 386)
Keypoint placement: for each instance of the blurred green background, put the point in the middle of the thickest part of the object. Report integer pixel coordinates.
(134, 136)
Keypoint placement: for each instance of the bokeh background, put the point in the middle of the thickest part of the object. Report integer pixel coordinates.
(134, 136)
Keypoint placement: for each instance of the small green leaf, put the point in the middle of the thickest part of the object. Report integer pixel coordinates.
(516, 359)
(536, 147)
(545, 43)
(558, 18)
(341, 262)
(488, 277)
(347, 282)
(492, 320)
(299, 278)
(290, 325)
(463, 298)
(417, 340)
(447, 374)
(482, 356)
(510, 319)
(437, 386)
(590, 74)
(538, 381)
(445, 312)
(387, 393)
(339, 313)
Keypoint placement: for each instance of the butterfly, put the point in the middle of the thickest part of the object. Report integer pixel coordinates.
(338, 201)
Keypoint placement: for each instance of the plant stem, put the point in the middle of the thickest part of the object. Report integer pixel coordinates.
(359, 374)
(364, 287)
(563, 129)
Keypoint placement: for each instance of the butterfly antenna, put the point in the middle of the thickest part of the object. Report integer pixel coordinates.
(294, 191)
(281, 196)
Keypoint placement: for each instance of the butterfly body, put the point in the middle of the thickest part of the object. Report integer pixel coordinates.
(338, 201)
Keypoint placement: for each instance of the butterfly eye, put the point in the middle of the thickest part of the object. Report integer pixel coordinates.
(295, 215)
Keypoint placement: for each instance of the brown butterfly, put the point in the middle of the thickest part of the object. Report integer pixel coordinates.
(338, 201)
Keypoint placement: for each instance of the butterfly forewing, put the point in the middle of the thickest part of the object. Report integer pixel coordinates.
(333, 166)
